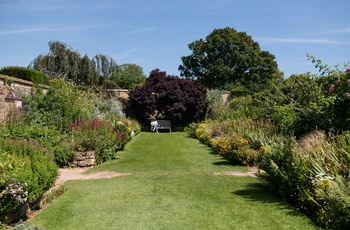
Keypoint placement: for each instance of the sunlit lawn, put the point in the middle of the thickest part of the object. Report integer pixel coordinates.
(171, 186)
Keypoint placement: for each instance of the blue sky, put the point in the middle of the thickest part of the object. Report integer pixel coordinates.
(156, 33)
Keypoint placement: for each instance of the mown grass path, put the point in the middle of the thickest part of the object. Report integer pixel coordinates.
(171, 185)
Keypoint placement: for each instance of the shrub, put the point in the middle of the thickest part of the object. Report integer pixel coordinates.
(27, 171)
(236, 150)
(62, 105)
(336, 90)
(238, 141)
(105, 137)
(34, 76)
(21, 226)
(64, 153)
(176, 99)
(314, 178)
(215, 103)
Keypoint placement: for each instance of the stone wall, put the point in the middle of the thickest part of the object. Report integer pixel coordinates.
(11, 92)
(123, 94)
(85, 159)
(226, 97)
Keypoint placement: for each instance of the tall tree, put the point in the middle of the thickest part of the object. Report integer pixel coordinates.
(227, 57)
(64, 62)
(105, 67)
(88, 75)
(61, 62)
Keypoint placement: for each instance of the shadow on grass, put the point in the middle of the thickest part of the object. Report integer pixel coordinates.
(258, 192)
(223, 162)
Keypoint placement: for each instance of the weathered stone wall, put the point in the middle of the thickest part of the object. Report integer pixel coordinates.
(118, 93)
(85, 159)
(226, 97)
(11, 92)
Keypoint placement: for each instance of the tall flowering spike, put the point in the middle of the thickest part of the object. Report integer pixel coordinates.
(348, 70)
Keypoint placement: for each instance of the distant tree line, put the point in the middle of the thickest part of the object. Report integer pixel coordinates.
(66, 63)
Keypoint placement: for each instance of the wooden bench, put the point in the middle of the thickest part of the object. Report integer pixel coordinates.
(164, 124)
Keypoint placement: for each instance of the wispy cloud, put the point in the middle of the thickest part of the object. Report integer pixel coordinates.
(303, 40)
(48, 29)
(336, 31)
(143, 59)
(146, 29)
(42, 5)
(128, 52)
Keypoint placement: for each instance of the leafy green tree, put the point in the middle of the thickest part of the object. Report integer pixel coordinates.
(61, 62)
(66, 63)
(230, 57)
(88, 75)
(105, 67)
(128, 76)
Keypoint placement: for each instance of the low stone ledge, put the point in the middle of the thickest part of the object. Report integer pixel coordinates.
(85, 159)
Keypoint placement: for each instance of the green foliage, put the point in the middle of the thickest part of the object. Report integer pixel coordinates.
(241, 107)
(236, 150)
(242, 142)
(22, 226)
(62, 105)
(64, 153)
(315, 178)
(311, 173)
(215, 103)
(191, 129)
(286, 117)
(27, 171)
(297, 106)
(104, 137)
(23, 73)
(66, 63)
(336, 89)
(128, 76)
(226, 56)
(105, 107)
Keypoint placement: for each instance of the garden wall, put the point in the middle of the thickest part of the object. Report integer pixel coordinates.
(123, 94)
(11, 92)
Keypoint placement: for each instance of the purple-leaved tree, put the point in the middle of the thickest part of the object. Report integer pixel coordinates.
(179, 100)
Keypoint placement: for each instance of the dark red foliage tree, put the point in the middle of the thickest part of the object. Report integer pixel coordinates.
(179, 100)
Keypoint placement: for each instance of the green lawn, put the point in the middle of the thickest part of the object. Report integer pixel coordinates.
(171, 186)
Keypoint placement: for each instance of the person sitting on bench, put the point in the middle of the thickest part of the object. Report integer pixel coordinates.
(154, 122)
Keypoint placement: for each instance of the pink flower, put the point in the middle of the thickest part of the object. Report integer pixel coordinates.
(331, 89)
(348, 70)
